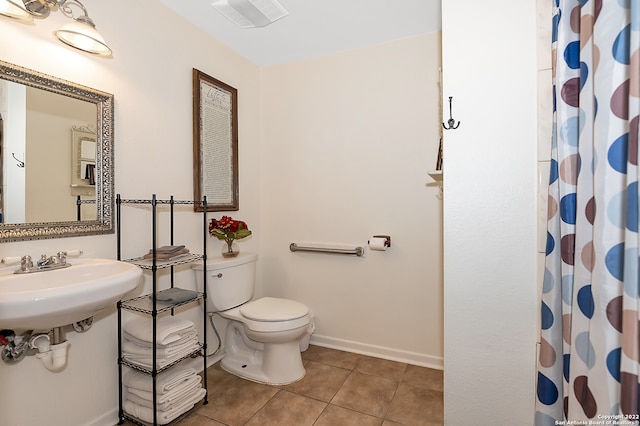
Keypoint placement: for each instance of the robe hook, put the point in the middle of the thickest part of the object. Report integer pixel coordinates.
(451, 122)
(20, 162)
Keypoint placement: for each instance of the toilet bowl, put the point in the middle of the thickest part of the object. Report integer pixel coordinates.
(262, 339)
(264, 344)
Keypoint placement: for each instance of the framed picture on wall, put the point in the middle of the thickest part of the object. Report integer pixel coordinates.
(215, 143)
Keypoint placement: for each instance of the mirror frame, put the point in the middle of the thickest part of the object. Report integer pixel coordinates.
(104, 159)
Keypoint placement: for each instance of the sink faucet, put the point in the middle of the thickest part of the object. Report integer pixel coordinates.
(44, 261)
(43, 264)
(59, 258)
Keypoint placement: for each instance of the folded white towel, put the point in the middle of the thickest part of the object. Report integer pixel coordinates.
(133, 350)
(164, 417)
(146, 361)
(190, 333)
(165, 381)
(166, 406)
(168, 328)
(176, 394)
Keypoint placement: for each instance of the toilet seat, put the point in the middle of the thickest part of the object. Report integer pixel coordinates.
(297, 317)
(273, 309)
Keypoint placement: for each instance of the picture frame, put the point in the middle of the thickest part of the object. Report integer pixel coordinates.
(215, 143)
(83, 161)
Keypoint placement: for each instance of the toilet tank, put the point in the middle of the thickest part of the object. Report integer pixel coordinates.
(230, 282)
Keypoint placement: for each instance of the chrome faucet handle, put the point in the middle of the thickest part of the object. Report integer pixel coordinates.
(43, 260)
(62, 257)
(26, 263)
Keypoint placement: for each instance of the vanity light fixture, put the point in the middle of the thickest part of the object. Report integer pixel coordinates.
(15, 9)
(251, 13)
(80, 34)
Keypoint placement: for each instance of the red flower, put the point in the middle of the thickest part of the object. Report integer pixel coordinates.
(228, 229)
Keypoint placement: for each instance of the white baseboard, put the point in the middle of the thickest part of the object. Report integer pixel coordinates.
(413, 358)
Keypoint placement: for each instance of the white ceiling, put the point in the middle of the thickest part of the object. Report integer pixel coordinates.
(315, 27)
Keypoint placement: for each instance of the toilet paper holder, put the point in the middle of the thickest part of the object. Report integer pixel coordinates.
(387, 238)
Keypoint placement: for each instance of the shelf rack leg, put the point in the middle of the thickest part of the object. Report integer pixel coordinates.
(204, 296)
(120, 396)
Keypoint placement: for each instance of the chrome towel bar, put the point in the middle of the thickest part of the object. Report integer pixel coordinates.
(358, 251)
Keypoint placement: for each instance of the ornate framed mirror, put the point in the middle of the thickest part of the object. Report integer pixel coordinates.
(28, 214)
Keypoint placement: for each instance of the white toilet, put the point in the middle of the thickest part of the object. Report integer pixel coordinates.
(262, 341)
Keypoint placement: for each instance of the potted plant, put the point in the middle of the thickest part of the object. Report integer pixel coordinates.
(229, 230)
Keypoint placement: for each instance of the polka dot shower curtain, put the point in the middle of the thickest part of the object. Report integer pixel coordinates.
(589, 354)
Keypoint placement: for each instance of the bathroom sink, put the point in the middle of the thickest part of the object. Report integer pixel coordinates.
(48, 299)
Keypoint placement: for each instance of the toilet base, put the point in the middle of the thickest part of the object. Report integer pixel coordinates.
(253, 371)
(276, 364)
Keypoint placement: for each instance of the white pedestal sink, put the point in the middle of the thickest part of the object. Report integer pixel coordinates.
(48, 299)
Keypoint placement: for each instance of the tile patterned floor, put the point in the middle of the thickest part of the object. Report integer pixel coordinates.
(340, 388)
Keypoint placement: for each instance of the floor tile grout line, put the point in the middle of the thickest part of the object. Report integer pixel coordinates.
(338, 390)
(320, 415)
(350, 408)
(263, 405)
(386, 412)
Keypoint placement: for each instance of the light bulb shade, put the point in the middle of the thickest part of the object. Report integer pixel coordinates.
(15, 10)
(83, 36)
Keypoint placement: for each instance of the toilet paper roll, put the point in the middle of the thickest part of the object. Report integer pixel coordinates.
(378, 244)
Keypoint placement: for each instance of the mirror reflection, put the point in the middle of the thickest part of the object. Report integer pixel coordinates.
(56, 168)
(46, 166)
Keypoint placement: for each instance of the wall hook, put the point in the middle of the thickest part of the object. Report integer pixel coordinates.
(451, 122)
(20, 162)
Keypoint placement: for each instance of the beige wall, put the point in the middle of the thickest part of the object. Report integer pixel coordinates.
(150, 76)
(490, 235)
(348, 139)
(309, 163)
(334, 149)
(50, 118)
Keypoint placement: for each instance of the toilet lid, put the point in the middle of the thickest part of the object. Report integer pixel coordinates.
(274, 309)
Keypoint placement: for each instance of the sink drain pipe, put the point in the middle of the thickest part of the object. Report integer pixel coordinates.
(15, 347)
(52, 347)
(51, 352)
